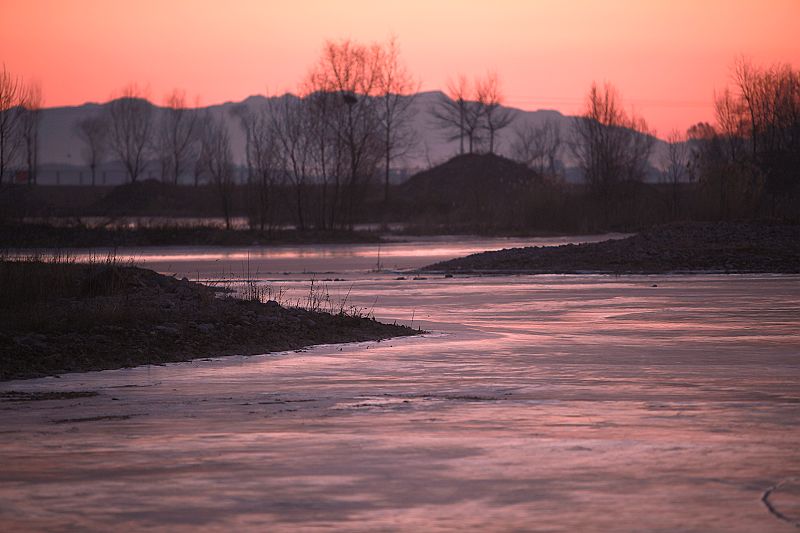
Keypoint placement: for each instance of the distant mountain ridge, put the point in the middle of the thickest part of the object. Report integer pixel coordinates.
(61, 148)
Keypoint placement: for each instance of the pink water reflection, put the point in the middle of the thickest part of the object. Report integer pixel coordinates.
(412, 252)
(560, 403)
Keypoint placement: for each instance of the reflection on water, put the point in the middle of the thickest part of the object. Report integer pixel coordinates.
(558, 403)
(216, 261)
(133, 222)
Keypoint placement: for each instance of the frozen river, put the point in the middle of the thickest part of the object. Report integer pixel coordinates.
(547, 403)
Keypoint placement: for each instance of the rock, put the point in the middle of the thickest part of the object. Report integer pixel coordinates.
(205, 328)
(34, 340)
(166, 330)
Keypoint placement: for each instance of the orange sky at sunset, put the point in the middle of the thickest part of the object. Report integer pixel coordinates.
(665, 57)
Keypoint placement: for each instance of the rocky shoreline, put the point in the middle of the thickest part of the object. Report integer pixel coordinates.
(109, 316)
(675, 248)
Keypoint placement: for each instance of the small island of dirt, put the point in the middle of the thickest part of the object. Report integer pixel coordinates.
(60, 316)
(675, 248)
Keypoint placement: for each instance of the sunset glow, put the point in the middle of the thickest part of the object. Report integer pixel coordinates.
(666, 57)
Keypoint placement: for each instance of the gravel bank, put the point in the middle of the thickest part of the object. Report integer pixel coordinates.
(105, 317)
(685, 247)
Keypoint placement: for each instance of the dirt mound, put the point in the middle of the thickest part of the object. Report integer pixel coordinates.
(470, 172)
(154, 198)
(481, 190)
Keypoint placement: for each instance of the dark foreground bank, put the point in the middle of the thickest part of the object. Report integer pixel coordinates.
(60, 317)
(685, 247)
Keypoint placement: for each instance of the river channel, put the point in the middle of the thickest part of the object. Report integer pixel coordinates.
(541, 403)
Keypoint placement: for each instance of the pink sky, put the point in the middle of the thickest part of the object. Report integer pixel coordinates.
(665, 57)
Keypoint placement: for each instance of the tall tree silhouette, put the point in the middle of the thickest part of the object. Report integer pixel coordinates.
(396, 91)
(539, 147)
(351, 72)
(10, 93)
(93, 131)
(31, 102)
(178, 136)
(610, 146)
(495, 117)
(130, 128)
(218, 162)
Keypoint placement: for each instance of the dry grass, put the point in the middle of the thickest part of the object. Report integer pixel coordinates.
(28, 282)
(36, 279)
(247, 286)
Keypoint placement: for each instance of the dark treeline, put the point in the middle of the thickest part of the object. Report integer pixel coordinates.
(327, 146)
(322, 159)
(747, 166)
(749, 163)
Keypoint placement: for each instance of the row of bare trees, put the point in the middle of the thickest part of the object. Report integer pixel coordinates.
(745, 165)
(129, 131)
(182, 140)
(347, 126)
(20, 116)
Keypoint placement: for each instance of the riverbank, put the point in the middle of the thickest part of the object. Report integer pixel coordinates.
(60, 316)
(685, 247)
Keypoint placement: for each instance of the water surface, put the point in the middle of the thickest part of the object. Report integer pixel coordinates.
(402, 253)
(551, 403)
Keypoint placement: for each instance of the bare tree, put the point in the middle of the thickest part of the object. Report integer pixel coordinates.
(93, 130)
(178, 136)
(326, 160)
(396, 91)
(769, 101)
(732, 124)
(676, 168)
(218, 161)
(711, 165)
(351, 71)
(490, 98)
(640, 141)
(30, 116)
(200, 166)
(610, 146)
(130, 121)
(290, 128)
(450, 112)
(538, 147)
(473, 123)
(263, 175)
(465, 111)
(10, 94)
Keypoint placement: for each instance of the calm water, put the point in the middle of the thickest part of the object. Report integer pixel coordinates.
(555, 403)
(312, 260)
